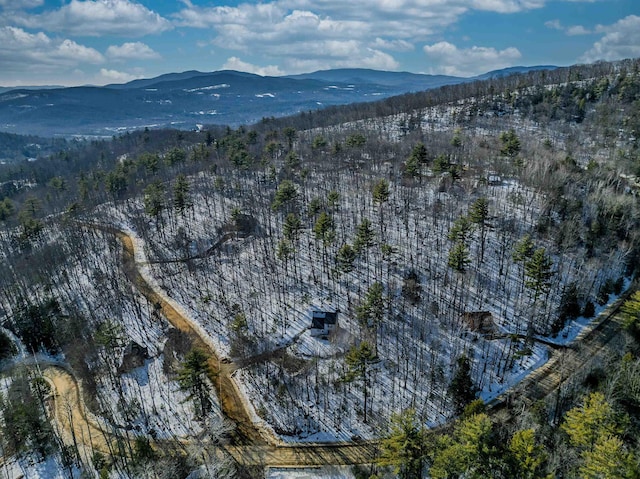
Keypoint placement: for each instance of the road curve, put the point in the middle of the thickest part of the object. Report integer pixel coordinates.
(75, 424)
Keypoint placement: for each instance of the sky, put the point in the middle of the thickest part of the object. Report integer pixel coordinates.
(78, 42)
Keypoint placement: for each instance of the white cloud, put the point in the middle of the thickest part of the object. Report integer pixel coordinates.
(377, 60)
(330, 18)
(20, 4)
(297, 34)
(234, 63)
(115, 76)
(132, 51)
(299, 38)
(621, 40)
(20, 49)
(393, 45)
(577, 30)
(554, 24)
(371, 58)
(68, 49)
(248, 26)
(97, 18)
(571, 31)
(450, 60)
(506, 6)
(410, 8)
(37, 59)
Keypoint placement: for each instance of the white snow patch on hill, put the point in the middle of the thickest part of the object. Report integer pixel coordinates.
(206, 88)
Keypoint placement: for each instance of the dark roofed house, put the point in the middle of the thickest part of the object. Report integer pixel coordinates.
(134, 356)
(323, 322)
(494, 179)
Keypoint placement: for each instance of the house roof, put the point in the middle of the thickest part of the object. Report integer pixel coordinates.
(321, 318)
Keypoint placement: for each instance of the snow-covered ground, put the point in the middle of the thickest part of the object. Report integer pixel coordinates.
(256, 307)
(329, 472)
(28, 468)
(150, 403)
(144, 399)
(573, 329)
(295, 381)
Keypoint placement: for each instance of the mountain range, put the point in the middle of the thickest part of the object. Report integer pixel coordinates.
(189, 99)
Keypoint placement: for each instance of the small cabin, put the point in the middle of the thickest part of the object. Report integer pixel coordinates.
(494, 179)
(480, 321)
(134, 356)
(323, 322)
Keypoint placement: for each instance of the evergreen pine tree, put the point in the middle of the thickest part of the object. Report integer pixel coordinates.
(478, 214)
(459, 257)
(345, 258)
(358, 360)
(192, 378)
(291, 227)
(404, 447)
(462, 389)
(364, 236)
(539, 272)
(181, 200)
(380, 191)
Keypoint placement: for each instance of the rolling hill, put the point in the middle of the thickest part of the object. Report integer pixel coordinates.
(185, 100)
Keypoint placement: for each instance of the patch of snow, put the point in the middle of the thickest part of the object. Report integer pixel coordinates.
(326, 472)
(581, 325)
(154, 404)
(334, 87)
(12, 96)
(212, 87)
(30, 467)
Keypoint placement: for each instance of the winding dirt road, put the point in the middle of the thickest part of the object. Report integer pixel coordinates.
(253, 445)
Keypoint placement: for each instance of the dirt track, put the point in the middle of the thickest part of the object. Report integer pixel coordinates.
(75, 424)
(77, 427)
(231, 402)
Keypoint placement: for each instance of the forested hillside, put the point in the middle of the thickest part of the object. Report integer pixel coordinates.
(17, 148)
(456, 239)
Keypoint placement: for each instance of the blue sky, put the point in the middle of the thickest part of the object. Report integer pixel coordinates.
(75, 42)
